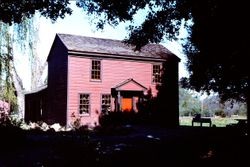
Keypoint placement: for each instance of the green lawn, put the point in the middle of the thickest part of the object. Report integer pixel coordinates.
(217, 121)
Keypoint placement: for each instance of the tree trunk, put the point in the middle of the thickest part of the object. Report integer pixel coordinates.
(168, 95)
(19, 91)
(248, 106)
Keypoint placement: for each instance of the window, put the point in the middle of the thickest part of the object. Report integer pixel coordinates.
(156, 73)
(106, 103)
(96, 70)
(84, 104)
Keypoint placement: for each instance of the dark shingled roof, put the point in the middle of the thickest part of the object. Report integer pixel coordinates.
(85, 44)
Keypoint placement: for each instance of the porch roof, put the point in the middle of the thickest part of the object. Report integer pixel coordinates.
(130, 85)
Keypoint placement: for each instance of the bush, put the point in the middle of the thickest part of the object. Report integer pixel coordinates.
(76, 124)
(117, 118)
(220, 113)
(206, 113)
(185, 113)
(147, 104)
(194, 112)
(10, 120)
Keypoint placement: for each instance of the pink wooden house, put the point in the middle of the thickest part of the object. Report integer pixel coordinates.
(88, 76)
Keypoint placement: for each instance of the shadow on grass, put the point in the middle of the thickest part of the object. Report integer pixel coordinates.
(118, 145)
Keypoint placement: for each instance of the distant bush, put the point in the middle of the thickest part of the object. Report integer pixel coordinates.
(206, 113)
(194, 112)
(185, 113)
(220, 113)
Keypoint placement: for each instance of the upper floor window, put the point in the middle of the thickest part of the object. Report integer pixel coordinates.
(96, 70)
(156, 74)
(84, 104)
(106, 103)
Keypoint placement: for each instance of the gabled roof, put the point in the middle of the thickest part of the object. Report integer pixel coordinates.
(130, 84)
(85, 45)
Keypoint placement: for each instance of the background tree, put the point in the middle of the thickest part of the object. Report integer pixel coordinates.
(214, 106)
(15, 40)
(190, 103)
(6, 83)
(19, 36)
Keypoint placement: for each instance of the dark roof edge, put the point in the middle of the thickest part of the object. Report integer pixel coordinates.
(58, 35)
(175, 57)
(117, 56)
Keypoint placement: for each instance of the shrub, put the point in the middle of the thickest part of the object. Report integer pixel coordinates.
(206, 113)
(185, 113)
(194, 112)
(117, 118)
(76, 124)
(10, 120)
(147, 104)
(220, 113)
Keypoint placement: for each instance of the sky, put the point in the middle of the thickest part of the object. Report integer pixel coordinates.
(80, 24)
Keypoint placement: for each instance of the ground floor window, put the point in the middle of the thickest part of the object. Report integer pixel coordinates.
(84, 104)
(106, 103)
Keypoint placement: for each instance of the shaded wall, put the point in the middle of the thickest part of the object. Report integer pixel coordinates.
(36, 106)
(57, 83)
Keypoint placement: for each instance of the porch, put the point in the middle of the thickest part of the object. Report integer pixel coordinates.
(127, 94)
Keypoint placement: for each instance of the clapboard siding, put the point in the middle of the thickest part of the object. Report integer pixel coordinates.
(113, 73)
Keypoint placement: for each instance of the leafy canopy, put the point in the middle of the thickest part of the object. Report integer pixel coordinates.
(216, 49)
(16, 10)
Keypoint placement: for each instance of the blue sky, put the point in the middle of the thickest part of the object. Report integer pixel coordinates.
(80, 24)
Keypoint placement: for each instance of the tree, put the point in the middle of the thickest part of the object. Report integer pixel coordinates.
(213, 106)
(167, 99)
(190, 104)
(18, 32)
(15, 11)
(15, 40)
(217, 48)
(6, 66)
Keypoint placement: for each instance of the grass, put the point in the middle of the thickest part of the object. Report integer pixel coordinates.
(217, 121)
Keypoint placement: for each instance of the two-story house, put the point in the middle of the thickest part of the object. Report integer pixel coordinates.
(88, 76)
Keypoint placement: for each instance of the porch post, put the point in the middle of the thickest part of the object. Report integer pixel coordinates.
(134, 104)
(119, 107)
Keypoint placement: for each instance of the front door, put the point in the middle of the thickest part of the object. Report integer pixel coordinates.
(127, 104)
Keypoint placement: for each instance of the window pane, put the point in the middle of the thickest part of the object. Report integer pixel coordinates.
(156, 74)
(84, 104)
(106, 103)
(96, 69)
